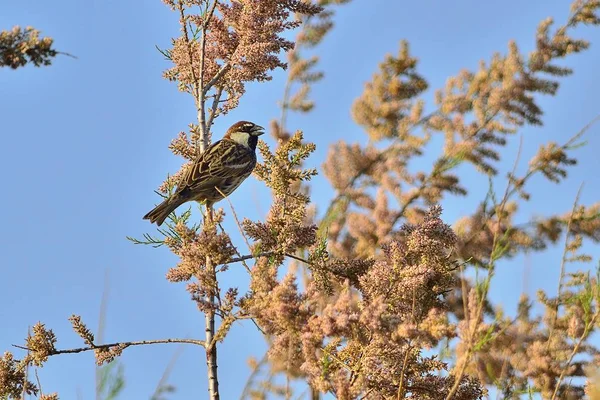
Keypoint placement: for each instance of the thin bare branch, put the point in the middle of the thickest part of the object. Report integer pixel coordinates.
(214, 110)
(122, 344)
(220, 73)
(237, 221)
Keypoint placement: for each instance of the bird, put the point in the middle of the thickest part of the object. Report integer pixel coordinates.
(216, 173)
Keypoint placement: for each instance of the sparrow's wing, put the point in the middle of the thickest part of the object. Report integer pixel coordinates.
(221, 160)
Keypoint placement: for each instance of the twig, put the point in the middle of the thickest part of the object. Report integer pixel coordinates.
(297, 258)
(237, 221)
(37, 378)
(258, 326)
(239, 258)
(265, 254)
(67, 54)
(202, 90)
(250, 256)
(220, 73)
(215, 107)
(122, 344)
(242, 259)
(163, 379)
(563, 263)
(574, 352)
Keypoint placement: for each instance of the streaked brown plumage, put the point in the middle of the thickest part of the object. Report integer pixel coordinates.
(224, 165)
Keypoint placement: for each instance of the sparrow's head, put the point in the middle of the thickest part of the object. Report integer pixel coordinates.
(245, 133)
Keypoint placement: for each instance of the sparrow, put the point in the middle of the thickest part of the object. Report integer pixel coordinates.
(217, 172)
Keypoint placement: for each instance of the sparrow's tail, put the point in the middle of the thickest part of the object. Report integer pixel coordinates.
(159, 213)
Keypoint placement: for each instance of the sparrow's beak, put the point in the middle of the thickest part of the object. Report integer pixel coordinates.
(258, 130)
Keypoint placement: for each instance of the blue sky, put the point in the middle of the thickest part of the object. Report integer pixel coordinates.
(84, 144)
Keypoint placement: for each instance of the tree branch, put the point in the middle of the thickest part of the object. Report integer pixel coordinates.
(250, 256)
(224, 68)
(202, 89)
(265, 254)
(214, 110)
(122, 344)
